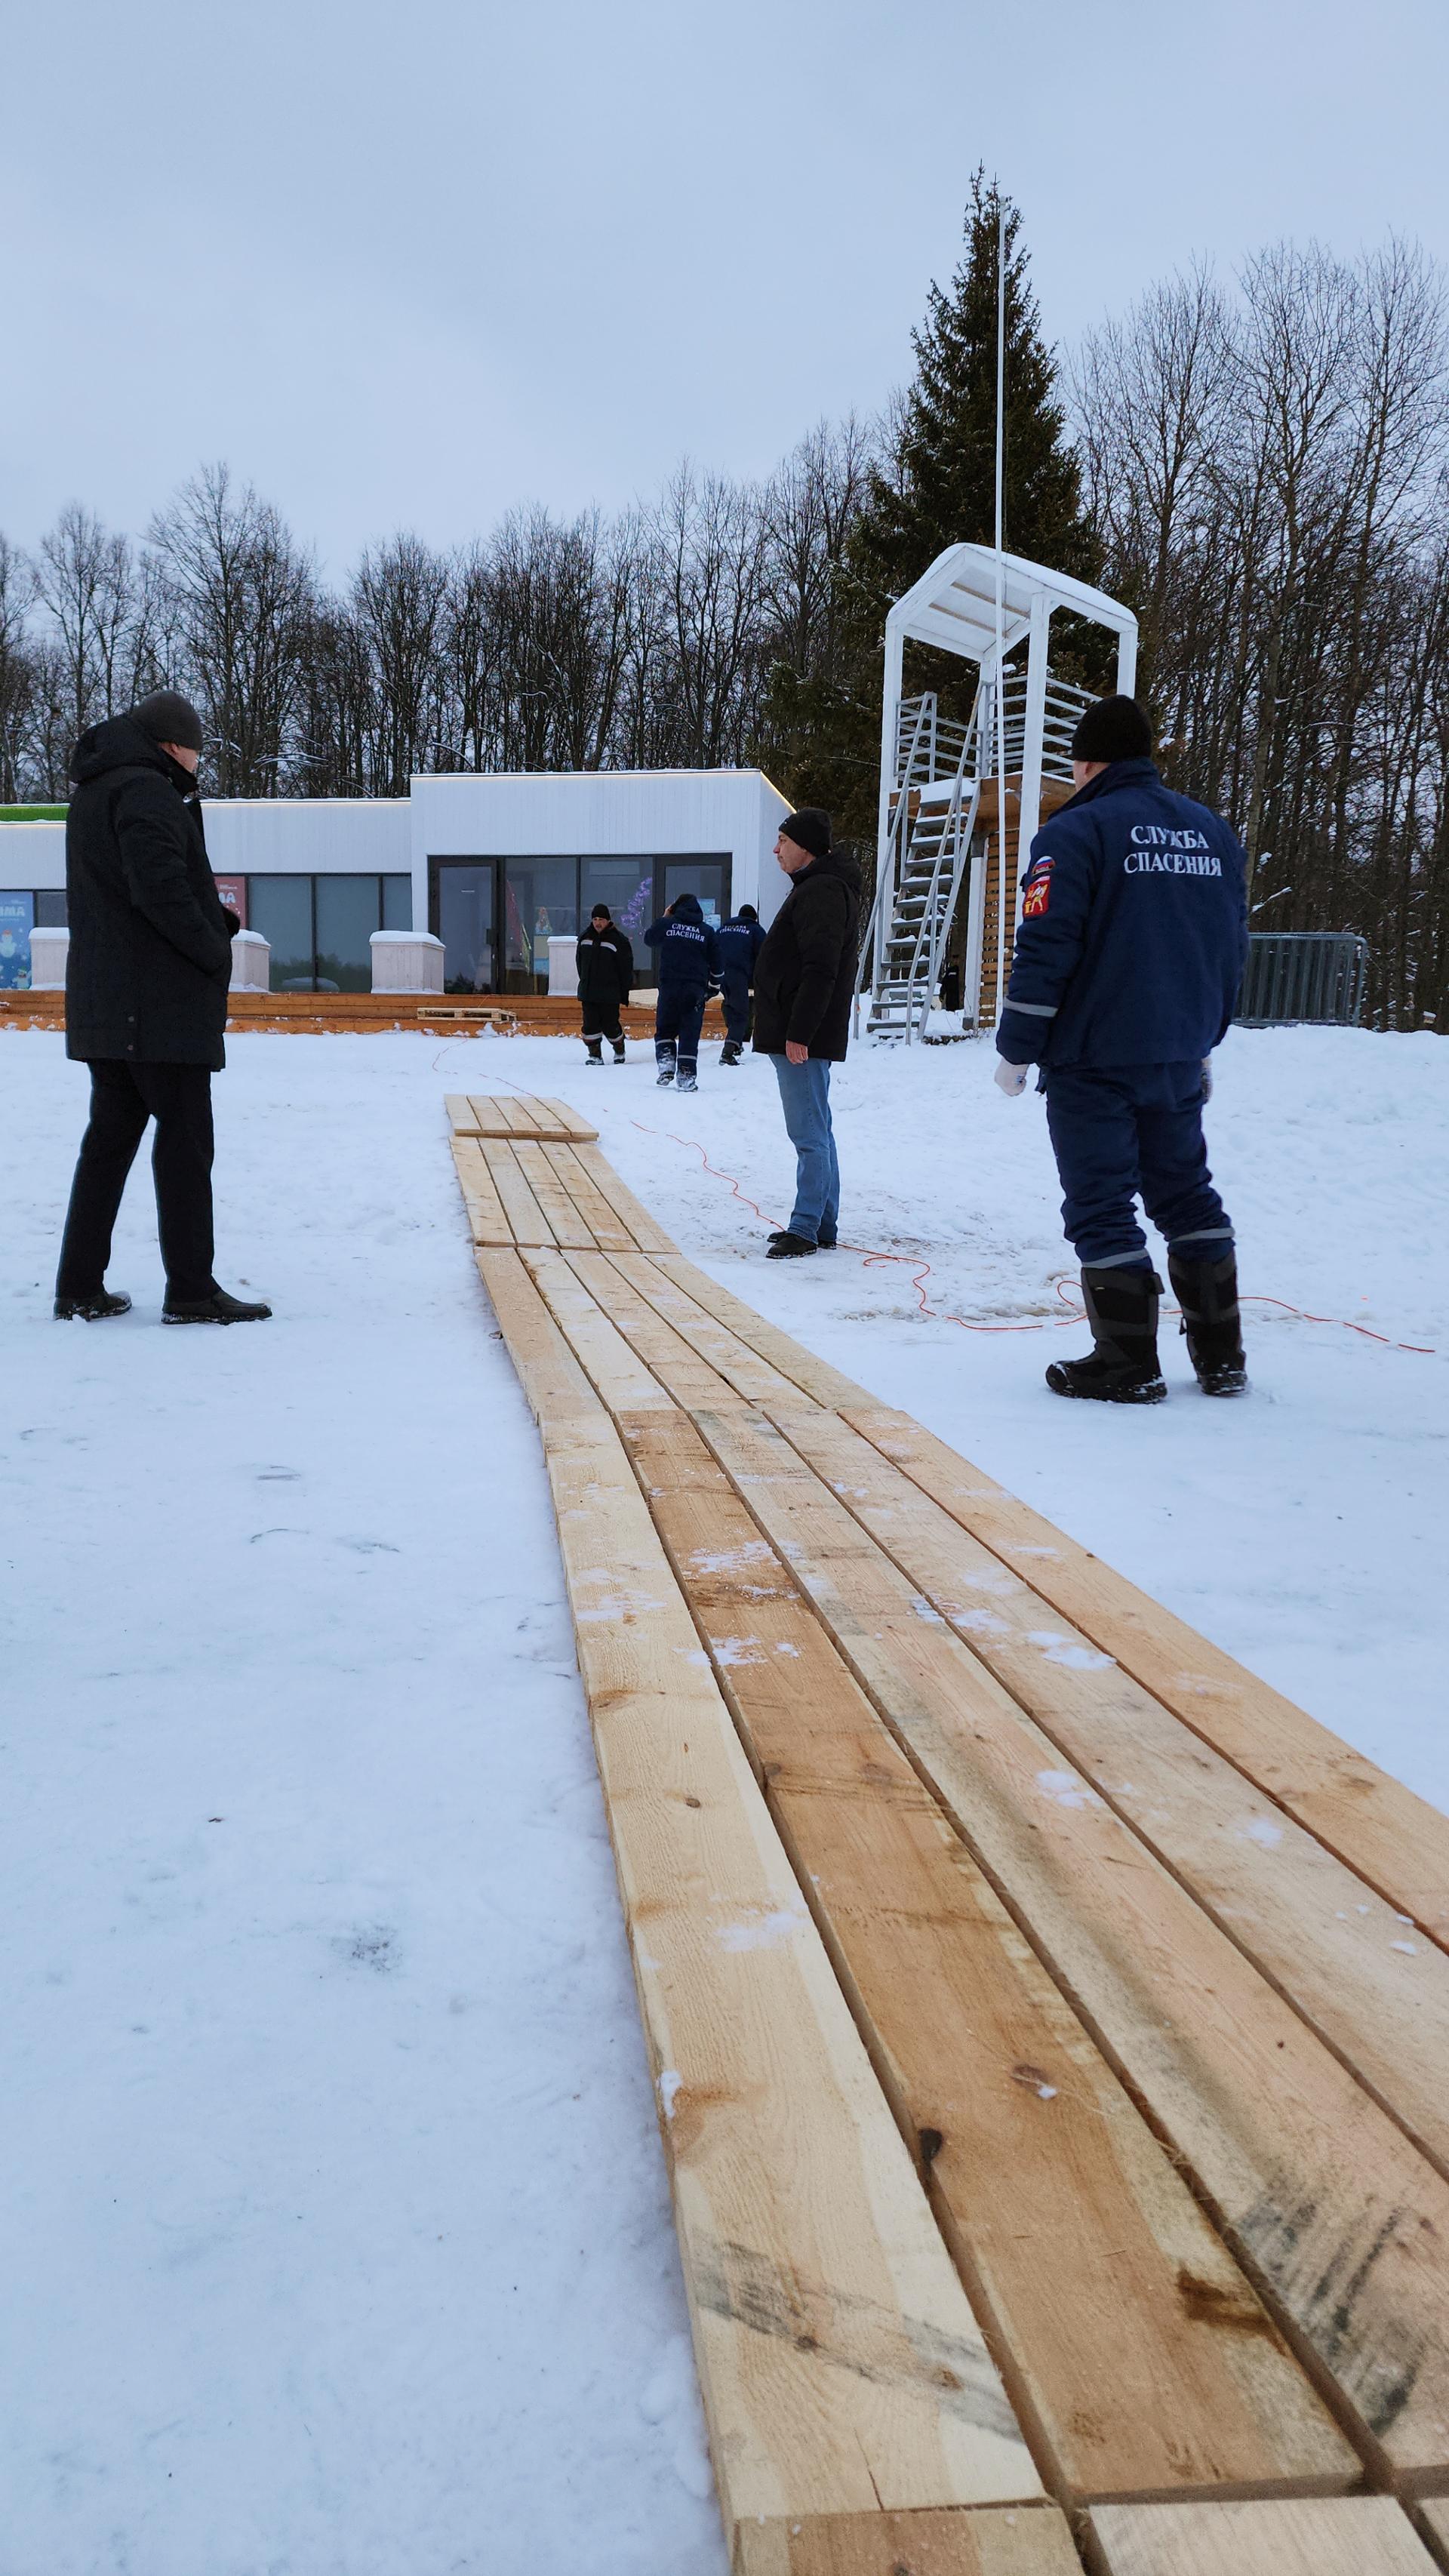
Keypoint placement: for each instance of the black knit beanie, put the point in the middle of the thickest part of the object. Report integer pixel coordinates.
(168, 717)
(809, 829)
(1113, 729)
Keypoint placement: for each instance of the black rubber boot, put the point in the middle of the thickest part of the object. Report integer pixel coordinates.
(218, 1308)
(91, 1310)
(1207, 1292)
(730, 1051)
(1122, 1311)
(618, 1046)
(594, 1051)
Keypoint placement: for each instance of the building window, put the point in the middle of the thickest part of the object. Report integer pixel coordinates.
(50, 911)
(319, 928)
(496, 916)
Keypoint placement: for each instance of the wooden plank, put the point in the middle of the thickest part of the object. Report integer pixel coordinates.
(609, 1231)
(672, 1360)
(594, 1340)
(1352, 2536)
(742, 1368)
(571, 1123)
(485, 1212)
(526, 1217)
(461, 1118)
(814, 1377)
(841, 2367)
(1059, 2204)
(1392, 1838)
(1326, 1939)
(648, 1234)
(1030, 2540)
(1318, 2192)
(570, 1229)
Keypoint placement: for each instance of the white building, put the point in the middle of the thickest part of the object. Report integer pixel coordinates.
(494, 866)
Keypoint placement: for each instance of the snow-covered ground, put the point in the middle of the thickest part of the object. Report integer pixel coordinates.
(335, 2232)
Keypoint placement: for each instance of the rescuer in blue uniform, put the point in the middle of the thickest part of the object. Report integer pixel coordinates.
(739, 941)
(1128, 958)
(688, 964)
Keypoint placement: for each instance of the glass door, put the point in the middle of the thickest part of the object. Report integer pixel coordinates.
(465, 900)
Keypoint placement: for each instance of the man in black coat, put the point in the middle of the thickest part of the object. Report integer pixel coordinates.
(804, 990)
(606, 971)
(145, 1004)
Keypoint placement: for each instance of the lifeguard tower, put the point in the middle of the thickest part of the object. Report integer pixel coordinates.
(959, 803)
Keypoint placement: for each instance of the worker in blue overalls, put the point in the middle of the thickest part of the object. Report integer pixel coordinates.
(1128, 958)
(739, 941)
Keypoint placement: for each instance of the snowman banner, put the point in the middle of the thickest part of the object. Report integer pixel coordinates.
(17, 915)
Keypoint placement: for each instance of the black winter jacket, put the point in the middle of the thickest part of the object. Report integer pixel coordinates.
(150, 950)
(606, 967)
(805, 973)
(687, 949)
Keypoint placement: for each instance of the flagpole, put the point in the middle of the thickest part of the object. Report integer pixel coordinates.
(1000, 599)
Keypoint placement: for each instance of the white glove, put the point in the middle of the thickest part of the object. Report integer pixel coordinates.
(1011, 1078)
(1207, 1077)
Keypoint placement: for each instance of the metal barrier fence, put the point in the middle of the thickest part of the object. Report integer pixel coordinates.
(1297, 975)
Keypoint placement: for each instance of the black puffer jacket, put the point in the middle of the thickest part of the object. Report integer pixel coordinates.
(606, 967)
(150, 948)
(805, 973)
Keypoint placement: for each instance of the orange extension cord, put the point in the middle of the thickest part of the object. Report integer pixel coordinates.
(921, 1270)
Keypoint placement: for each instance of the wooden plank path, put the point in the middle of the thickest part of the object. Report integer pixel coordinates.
(1050, 2022)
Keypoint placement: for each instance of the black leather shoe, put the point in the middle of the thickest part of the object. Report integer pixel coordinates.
(789, 1247)
(91, 1310)
(218, 1308)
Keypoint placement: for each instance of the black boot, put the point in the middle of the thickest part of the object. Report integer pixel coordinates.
(1207, 1292)
(218, 1308)
(1122, 1311)
(730, 1051)
(93, 1309)
(595, 1051)
(618, 1047)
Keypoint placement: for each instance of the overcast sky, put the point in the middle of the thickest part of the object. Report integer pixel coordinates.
(404, 265)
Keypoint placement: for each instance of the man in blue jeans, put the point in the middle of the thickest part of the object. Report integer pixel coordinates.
(804, 987)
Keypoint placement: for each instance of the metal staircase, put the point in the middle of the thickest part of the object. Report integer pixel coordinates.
(935, 798)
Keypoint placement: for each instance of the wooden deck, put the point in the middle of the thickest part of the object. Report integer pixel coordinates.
(1050, 2022)
(457, 1015)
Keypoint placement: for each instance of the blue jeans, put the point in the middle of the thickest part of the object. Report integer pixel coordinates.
(805, 1099)
(1124, 1129)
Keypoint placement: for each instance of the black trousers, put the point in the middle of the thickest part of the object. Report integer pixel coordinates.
(738, 1015)
(123, 1097)
(601, 1020)
(678, 1019)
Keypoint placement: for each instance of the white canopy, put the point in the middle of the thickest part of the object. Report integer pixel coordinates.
(954, 606)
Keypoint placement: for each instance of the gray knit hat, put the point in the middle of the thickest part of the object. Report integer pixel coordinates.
(168, 717)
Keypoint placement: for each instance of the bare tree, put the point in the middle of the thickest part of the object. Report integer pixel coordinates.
(243, 592)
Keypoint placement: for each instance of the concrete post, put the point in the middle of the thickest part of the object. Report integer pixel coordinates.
(49, 950)
(251, 963)
(406, 961)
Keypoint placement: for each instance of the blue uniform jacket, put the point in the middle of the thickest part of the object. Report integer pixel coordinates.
(739, 944)
(1134, 929)
(688, 953)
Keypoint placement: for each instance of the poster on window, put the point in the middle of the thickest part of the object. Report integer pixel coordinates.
(17, 916)
(233, 892)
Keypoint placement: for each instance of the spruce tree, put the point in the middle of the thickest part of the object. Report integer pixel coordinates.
(941, 487)
(936, 488)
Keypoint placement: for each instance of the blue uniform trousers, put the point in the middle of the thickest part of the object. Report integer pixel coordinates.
(1128, 1130)
(735, 995)
(678, 1020)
